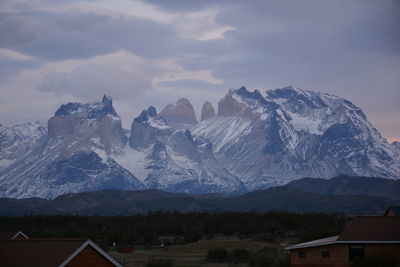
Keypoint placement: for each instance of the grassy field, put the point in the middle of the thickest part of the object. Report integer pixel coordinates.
(192, 254)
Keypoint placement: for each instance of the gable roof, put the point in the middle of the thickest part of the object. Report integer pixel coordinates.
(11, 234)
(394, 209)
(45, 252)
(367, 229)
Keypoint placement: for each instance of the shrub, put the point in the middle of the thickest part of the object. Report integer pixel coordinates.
(159, 263)
(239, 256)
(218, 255)
(270, 257)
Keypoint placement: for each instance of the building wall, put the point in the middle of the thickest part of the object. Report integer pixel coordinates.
(339, 255)
(89, 257)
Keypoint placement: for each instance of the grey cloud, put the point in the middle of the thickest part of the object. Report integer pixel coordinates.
(189, 83)
(348, 48)
(52, 36)
(378, 33)
(10, 67)
(203, 87)
(82, 35)
(86, 81)
(184, 5)
(340, 47)
(17, 29)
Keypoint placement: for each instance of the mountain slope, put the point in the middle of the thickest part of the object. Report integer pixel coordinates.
(117, 202)
(347, 185)
(255, 141)
(284, 134)
(72, 157)
(18, 140)
(173, 160)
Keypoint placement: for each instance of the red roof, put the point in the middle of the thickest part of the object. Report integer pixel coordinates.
(44, 252)
(37, 252)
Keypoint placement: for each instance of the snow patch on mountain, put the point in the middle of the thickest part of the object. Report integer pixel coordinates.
(135, 161)
(307, 124)
(18, 140)
(230, 128)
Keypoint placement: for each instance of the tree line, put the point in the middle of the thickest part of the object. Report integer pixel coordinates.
(146, 229)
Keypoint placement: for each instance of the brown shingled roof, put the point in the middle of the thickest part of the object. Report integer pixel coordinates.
(372, 228)
(46, 252)
(38, 252)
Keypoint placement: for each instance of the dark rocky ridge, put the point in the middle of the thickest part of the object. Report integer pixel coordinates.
(348, 185)
(115, 202)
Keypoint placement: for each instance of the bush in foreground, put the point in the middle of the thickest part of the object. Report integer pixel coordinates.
(159, 263)
(218, 255)
(266, 257)
(270, 257)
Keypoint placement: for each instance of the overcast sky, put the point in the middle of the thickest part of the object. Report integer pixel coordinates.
(153, 52)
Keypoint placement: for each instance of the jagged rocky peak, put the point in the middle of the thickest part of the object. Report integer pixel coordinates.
(107, 100)
(95, 110)
(287, 92)
(317, 111)
(207, 111)
(229, 105)
(147, 127)
(146, 115)
(179, 115)
(243, 103)
(89, 120)
(291, 94)
(299, 100)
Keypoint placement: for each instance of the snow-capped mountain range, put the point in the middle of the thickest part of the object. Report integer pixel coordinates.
(254, 141)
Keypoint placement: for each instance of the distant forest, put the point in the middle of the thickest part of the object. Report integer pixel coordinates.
(148, 229)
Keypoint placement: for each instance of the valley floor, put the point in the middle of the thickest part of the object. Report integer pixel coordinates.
(192, 254)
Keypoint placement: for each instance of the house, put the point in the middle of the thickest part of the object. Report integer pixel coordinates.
(12, 234)
(53, 252)
(364, 237)
(393, 211)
